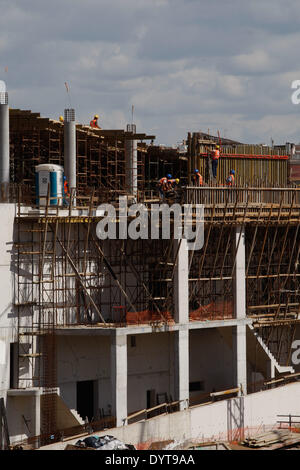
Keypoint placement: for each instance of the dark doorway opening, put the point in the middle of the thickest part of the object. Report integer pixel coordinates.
(151, 399)
(85, 399)
(13, 365)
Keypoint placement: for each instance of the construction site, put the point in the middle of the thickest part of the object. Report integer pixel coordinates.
(145, 339)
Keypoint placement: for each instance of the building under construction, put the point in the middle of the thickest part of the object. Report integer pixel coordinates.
(101, 333)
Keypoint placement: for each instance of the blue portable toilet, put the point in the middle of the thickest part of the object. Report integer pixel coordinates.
(48, 174)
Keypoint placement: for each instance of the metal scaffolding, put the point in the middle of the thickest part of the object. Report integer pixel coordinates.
(100, 154)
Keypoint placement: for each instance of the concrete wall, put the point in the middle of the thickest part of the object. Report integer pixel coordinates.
(211, 360)
(150, 367)
(21, 413)
(84, 358)
(7, 315)
(210, 421)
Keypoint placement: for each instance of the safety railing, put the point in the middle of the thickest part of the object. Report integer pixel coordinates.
(63, 435)
(163, 408)
(262, 385)
(250, 200)
(207, 398)
(220, 195)
(291, 421)
(207, 195)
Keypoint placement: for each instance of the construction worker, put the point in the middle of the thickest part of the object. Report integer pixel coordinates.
(163, 186)
(94, 122)
(173, 183)
(170, 182)
(231, 178)
(61, 119)
(197, 178)
(66, 191)
(172, 188)
(215, 155)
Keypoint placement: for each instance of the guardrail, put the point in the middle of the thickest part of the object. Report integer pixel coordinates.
(208, 195)
(290, 421)
(207, 398)
(166, 408)
(157, 410)
(214, 195)
(274, 383)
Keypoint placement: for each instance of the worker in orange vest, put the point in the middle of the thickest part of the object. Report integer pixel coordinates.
(66, 191)
(197, 178)
(215, 160)
(94, 122)
(231, 178)
(173, 183)
(163, 185)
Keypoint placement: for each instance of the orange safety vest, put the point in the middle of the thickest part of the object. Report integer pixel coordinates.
(163, 182)
(93, 123)
(199, 179)
(66, 188)
(216, 154)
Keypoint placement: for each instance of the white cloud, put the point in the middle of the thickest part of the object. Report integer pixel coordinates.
(256, 61)
(232, 86)
(184, 64)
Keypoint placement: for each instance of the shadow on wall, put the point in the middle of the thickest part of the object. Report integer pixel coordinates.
(20, 417)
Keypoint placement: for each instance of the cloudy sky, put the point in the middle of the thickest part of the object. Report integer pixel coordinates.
(185, 65)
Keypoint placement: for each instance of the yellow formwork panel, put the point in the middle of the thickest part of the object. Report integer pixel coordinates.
(248, 171)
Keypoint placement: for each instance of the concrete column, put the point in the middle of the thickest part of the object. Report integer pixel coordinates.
(239, 357)
(181, 282)
(240, 274)
(4, 138)
(239, 332)
(118, 375)
(272, 370)
(131, 162)
(70, 147)
(181, 372)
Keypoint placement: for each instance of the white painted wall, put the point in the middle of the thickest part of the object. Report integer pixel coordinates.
(209, 421)
(8, 320)
(20, 409)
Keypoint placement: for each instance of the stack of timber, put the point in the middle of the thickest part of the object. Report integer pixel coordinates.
(279, 438)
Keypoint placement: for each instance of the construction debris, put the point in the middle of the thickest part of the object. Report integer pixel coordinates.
(281, 437)
(101, 443)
